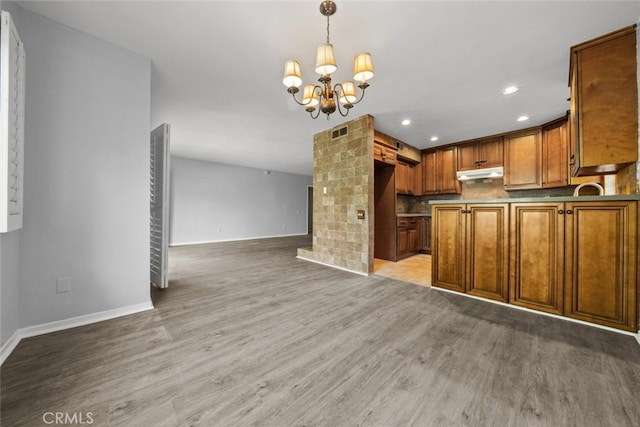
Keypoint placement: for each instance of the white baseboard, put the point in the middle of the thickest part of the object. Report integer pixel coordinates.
(9, 346)
(202, 242)
(45, 328)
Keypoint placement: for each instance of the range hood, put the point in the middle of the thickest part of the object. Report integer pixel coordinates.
(485, 173)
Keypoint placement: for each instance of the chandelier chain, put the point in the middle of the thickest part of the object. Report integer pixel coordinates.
(328, 28)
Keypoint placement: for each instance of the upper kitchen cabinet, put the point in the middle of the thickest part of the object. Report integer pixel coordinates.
(555, 152)
(384, 154)
(604, 103)
(482, 153)
(439, 171)
(405, 177)
(523, 160)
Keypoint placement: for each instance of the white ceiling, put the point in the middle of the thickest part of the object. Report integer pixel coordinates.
(217, 66)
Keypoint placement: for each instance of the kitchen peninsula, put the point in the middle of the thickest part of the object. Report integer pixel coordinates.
(569, 256)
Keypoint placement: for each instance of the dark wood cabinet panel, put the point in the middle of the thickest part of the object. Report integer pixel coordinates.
(601, 263)
(439, 171)
(487, 243)
(604, 103)
(426, 234)
(523, 160)
(555, 151)
(384, 154)
(470, 249)
(449, 236)
(483, 153)
(408, 241)
(537, 256)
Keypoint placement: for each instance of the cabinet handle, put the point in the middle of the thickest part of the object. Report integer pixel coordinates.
(569, 211)
(560, 212)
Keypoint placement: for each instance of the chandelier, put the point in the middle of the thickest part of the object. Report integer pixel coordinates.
(328, 97)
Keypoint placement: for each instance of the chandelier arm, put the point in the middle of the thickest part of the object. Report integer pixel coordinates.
(317, 110)
(304, 104)
(340, 110)
(362, 86)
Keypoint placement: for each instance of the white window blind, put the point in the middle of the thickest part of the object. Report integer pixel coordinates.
(12, 80)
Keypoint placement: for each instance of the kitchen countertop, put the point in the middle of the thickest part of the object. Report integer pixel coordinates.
(542, 199)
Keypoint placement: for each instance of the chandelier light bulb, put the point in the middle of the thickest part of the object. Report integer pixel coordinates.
(348, 94)
(325, 61)
(363, 67)
(310, 96)
(292, 75)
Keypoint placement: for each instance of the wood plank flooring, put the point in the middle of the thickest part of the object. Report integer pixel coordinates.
(248, 335)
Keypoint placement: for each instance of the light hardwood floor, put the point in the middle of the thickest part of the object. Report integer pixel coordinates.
(248, 335)
(415, 269)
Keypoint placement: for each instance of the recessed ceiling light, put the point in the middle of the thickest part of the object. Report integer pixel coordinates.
(406, 122)
(509, 90)
(434, 138)
(523, 118)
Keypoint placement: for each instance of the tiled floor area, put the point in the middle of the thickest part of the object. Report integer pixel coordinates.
(415, 269)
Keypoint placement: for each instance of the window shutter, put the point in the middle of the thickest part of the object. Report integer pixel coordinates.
(12, 82)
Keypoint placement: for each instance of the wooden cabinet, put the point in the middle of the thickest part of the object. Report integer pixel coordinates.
(601, 263)
(523, 160)
(384, 154)
(578, 259)
(405, 177)
(425, 231)
(418, 180)
(555, 153)
(483, 153)
(470, 249)
(604, 103)
(537, 256)
(439, 171)
(408, 237)
(558, 156)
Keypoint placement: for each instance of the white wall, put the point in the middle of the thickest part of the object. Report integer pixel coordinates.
(9, 254)
(218, 202)
(86, 178)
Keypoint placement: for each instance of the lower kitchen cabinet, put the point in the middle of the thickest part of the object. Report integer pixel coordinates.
(573, 258)
(537, 256)
(601, 263)
(425, 231)
(470, 249)
(408, 237)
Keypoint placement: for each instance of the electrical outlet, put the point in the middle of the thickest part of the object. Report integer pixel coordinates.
(63, 284)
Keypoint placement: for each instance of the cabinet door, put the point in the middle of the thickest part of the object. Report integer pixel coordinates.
(413, 239)
(403, 242)
(523, 161)
(467, 156)
(418, 180)
(554, 155)
(401, 177)
(410, 178)
(601, 263)
(606, 105)
(447, 260)
(490, 152)
(446, 165)
(429, 184)
(537, 256)
(487, 246)
(426, 234)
